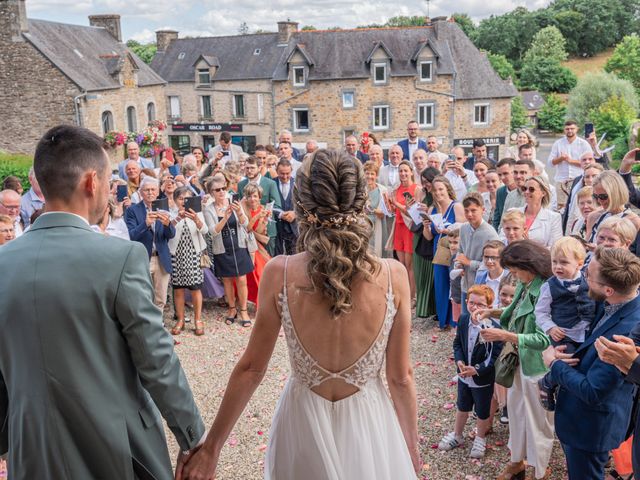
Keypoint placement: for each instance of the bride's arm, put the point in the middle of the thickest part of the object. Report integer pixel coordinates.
(245, 377)
(399, 367)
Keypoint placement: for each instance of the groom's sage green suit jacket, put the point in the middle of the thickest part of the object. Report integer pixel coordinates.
(85, 359)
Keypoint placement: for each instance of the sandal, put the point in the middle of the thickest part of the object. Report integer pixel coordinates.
(199, 330)
(245, 323)
(546, 396)
(231, 320)
(616, 476)
(178, 328)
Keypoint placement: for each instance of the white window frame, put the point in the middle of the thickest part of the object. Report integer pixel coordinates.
(174, 106)
(426, 62)
(425, 105)
(384, 69)
(353, 99)
(234, 105)
(304, 76)
(203, 71)
(379, 109)
(487, 113)
(202, 112)
(296, 127)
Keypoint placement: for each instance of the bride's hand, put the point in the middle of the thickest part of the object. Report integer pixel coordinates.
(200, 465)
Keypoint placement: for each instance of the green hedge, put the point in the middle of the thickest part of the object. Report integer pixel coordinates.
(15, 164)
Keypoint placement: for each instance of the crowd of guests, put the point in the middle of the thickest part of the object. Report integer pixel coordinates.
(535, 277)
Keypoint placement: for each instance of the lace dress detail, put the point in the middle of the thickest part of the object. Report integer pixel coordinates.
(307, 370)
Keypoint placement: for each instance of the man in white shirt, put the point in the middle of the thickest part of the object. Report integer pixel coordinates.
(285, 152)
(10, 206)
(565, 156)
(228, 151)
(461, 178)
(432, 148)
(389, 173)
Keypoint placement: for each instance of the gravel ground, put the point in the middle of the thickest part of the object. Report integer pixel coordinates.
(208, 361)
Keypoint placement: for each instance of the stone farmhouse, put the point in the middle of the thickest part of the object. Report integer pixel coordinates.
(52, 73)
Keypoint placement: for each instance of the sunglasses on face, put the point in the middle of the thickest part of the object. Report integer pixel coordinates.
(600, 196)
(218, 189)
(528, 189)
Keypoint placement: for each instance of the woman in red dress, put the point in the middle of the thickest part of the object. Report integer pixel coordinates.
(258, 216)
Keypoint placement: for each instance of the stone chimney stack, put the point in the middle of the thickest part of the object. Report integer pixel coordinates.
(13, 18)
(285, 29)
(164, 38)
(109, 22)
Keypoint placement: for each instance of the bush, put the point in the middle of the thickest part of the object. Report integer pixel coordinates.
(614, 117)
(519, 116)
(18, 165)
(593, 90)
(547, 75)
(552, 115)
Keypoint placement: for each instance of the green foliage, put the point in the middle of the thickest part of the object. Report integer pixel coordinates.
(548, 43)
(553, 113)
(595, 89)
(403, 21)
(308, 27)
(16, 164)
(501, 65)
(519, 116)
(465, 23)
(625, 61)
(614, 117)
(547, 75)
(243, 29)
(146, 51)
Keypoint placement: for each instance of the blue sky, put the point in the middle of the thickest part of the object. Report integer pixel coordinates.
(141, 18)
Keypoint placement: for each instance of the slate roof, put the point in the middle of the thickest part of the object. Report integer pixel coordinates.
(533, 100)
(89, 56)
(235, 55)
(340, 54)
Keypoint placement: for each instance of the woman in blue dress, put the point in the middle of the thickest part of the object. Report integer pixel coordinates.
(445, 205)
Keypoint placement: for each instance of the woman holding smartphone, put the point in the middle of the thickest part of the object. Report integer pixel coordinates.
(227, 225)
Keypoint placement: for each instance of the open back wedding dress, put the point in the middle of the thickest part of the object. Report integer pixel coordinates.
(356, 438)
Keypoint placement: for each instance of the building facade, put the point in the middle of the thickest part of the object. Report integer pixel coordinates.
(55, 73)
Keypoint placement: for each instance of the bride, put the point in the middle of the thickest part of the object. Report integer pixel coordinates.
(344, 312)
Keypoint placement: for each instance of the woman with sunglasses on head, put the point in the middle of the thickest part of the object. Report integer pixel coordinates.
(540, 223)
(611, 194)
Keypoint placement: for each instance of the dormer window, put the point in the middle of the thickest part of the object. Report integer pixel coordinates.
(204, 76)
(257, 51)
(380, 73)
(425, 69)
(181, 56)
(299, 79)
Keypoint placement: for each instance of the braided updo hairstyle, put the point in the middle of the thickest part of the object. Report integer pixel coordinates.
(331, 186)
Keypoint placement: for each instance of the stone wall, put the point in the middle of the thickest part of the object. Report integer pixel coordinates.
(34, 95)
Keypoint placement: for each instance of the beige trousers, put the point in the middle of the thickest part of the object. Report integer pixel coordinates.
(160, 280)
(530, 425)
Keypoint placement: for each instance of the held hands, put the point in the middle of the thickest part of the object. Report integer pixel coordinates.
(462, 259)
(197, 465)
(621, 353)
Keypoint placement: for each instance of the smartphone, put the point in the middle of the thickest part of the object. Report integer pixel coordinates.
(407, 196)
(122, 191)
(174, 170)
(236, 197)
(637, 158)
(161, 204)
(193, 203)
(588, 129)
(225, 152)
(451, 157)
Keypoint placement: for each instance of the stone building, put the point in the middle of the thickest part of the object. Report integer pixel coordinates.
(52, 73)
(325, 85)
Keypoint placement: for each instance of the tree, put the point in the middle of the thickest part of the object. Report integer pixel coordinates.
(615, 117)
(547, 75)
(501, 65)
(625, 61)
(403, 21)
(594, 89)
(519, 116)
(146, 51)
(552, 115)
(308, 27)
(243, 29)
(465, 23)
(548, 43)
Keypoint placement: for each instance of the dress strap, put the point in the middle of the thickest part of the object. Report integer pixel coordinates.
(386, 262)
(286, 262)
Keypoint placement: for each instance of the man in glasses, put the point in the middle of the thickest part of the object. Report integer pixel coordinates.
(413, 142)
(565, 157)
(522, 170)
(594, 401)
(10, 206)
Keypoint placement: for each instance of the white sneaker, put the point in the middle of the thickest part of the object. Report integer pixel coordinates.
(478, 448)
(450, 441)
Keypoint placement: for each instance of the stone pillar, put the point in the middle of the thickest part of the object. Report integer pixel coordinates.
(110, 22)
(13, 19)
(164, 38)
(285, 29)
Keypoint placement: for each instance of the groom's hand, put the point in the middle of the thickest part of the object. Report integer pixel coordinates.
(200, 465)
(183, 458)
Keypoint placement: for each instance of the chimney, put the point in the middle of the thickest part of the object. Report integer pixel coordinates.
(285, 29)
(164, 38)
(16, 12)
(111, 23)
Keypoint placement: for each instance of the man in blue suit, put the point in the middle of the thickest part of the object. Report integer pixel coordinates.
(594, 401)
(286, 223)
(413, 143)
(153, 230)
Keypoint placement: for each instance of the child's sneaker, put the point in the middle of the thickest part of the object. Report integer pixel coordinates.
(450, 441)
(478, 448)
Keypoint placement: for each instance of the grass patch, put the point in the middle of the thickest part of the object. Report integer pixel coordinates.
(16, 164)
(582, 65)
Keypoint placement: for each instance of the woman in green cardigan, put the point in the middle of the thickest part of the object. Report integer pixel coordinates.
(530, 426)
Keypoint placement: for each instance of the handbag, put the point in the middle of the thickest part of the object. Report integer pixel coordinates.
(424, 248)
(252, 243)
(443, 254)
(205, 261)
(506, 365)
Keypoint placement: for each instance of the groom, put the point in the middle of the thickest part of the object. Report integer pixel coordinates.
(85, 362)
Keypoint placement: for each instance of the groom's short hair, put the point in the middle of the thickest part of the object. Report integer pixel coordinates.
(63, 155)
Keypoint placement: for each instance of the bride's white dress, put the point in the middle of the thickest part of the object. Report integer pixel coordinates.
(358, 437)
